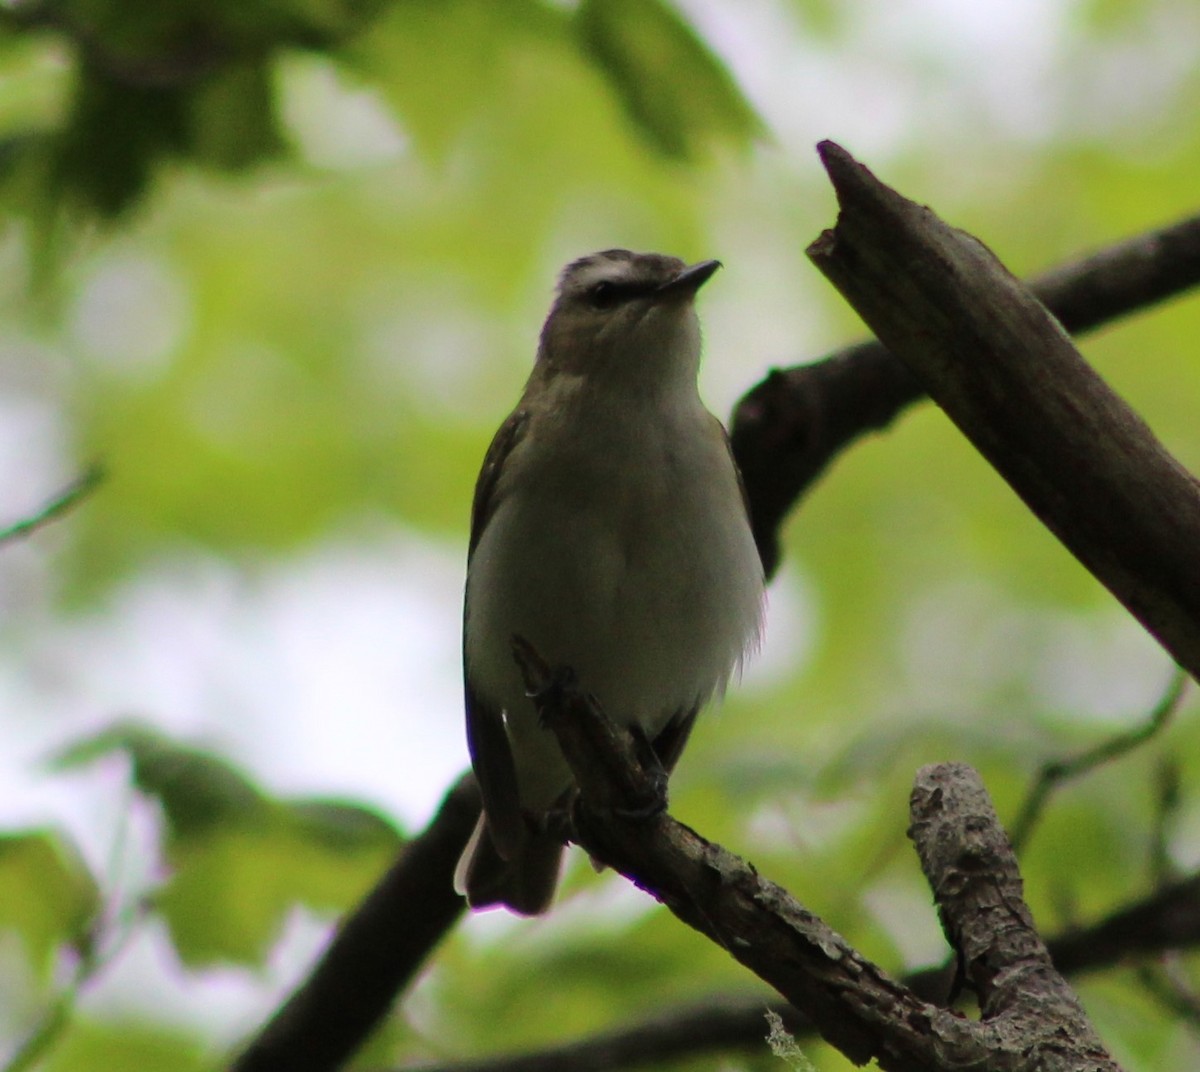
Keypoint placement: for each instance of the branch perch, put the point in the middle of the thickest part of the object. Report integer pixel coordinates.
(971, 868)
(1029, 1019)
(1167, 920)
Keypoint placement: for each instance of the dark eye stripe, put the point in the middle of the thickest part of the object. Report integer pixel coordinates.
(607, 294)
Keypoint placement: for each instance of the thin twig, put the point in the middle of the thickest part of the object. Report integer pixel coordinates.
(1166, 984)
(1058, 771)
(1168, 799)
(70, 496)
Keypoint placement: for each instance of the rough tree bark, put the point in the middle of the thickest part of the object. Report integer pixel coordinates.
(1002, 368)
(1030, 1022)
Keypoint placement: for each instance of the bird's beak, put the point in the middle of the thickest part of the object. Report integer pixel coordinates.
(689, 280)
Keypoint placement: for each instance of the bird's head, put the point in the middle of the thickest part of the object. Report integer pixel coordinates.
(628, 316)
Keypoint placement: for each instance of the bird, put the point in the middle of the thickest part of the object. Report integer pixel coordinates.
(609, 531)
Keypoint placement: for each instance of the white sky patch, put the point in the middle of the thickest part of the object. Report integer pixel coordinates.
(336, 124)
(965, 643)
(930, 67)
(131, 313)
(335, 673)
(33, 469)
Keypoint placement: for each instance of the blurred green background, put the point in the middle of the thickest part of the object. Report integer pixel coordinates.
(279, 269)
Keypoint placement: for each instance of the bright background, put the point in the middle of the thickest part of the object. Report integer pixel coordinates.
(290, 366)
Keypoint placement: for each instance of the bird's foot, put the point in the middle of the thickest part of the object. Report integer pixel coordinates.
(552, 694)
(655, 799)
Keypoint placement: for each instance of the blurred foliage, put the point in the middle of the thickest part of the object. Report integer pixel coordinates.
(280, 267)
(238, 861)
(127, 1047)
(47, 895)
(632, 42)
(193, 82)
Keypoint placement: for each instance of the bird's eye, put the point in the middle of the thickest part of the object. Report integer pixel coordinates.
(604, 295)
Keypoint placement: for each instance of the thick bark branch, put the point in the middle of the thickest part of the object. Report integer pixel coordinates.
(1005, 372)
(1168, 919)
(790, 427)
(971, 868)
(1030, 1022)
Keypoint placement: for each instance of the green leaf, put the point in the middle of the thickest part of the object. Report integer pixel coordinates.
(341, 827)
(673, 88)
(197, 790)
(233, 889)
(233, 122)
(47, 894)
(239, 859)
(114, 137)
(440, 62)
(127, 1047)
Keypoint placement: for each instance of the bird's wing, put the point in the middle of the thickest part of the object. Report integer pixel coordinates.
(487, 740)
(483, 505)
(737, 471)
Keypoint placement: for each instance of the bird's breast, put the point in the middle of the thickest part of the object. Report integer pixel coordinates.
(624, 553)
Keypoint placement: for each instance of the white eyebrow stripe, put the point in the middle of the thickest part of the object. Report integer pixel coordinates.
(588, 274)
(585, 274)
(619, 267)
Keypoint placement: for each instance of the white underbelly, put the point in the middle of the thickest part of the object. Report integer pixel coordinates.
(650, 596)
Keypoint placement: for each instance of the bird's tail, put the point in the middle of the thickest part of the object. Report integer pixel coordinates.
(525, 884)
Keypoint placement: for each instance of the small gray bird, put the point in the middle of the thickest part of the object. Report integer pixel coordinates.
(609, 529)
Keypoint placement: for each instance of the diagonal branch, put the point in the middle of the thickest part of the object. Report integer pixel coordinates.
(789, 428)
(1166, 920)
(1006, 373)
(1031, 1019)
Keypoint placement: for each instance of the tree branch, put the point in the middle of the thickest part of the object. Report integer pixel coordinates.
(1167, 920)
(1031, 1020)
(973, 873)
(790, 427)
(1005, 372)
